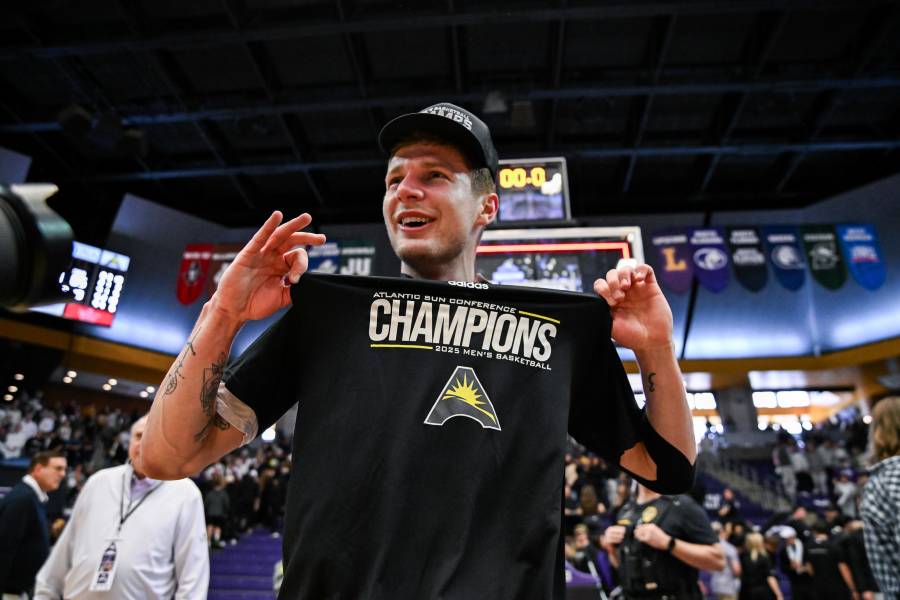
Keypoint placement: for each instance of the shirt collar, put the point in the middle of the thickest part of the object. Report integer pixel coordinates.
(139, 487)
(41, 494)
(886, 464)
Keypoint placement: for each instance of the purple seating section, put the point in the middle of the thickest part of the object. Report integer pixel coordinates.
(244, 571)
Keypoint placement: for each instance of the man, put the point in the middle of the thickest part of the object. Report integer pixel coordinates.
(726, 583)
(130, 538)
(823, 558)
(24, 531)
(793, 559)
(393, 498)
(658, 544)
(582, 553)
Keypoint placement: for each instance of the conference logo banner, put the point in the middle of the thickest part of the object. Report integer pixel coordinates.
(863, 254)
(344, 257)
(823, 256)
(193, 272)
(783, 247)
(710, 258)
(673, 259)
(748, 257)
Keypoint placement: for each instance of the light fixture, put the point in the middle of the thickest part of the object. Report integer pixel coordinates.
(12, 389)
(8, 397)
(150, 389)
(67, 379)
(72, 374)
(112, 381)
(18, 377)
(107, 387)
(143, 394)
(268, 435)
(867, 419)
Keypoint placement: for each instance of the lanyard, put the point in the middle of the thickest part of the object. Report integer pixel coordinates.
(123, 515)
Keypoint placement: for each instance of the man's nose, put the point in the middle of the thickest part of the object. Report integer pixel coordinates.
(408, 188)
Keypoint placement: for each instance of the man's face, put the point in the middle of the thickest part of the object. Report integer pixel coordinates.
(431, 214)
(134, 446)
(50, 476)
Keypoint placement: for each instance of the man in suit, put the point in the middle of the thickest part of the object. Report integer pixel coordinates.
(24, 533)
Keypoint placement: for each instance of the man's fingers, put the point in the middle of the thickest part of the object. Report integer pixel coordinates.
(259, 239)
(645, 274)
(298, 262)
(602, 289)
(283, 232)
(615, 285)
(302, 238)
(625, 276)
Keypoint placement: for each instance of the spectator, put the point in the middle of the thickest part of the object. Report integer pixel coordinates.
(822, 558)
(218, 507)
(154, 546)
(729, 510)
(781, 458)
(817, 469)
(725, 584)
(794, 564)
(800, 465)
(758, 581)
(581, 553)
(881, 498)
(847, 494)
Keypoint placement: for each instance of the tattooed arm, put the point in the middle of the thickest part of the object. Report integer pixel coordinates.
(184, 432)
(642, 321)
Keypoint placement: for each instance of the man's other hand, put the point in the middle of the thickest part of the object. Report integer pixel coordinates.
(642, 319)
(258, 282)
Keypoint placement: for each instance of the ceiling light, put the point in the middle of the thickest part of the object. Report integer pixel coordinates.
(150, 389)
(71, 374)
(107, 387)
(143, 394)
(18, 377)
(8, 397)
(112, 382)
(12, 389)
(67, 379)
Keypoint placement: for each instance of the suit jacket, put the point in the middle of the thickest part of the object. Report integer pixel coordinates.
(24, 539)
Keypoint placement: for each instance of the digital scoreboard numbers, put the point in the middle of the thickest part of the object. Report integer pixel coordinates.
(94, 283)
(533, 190)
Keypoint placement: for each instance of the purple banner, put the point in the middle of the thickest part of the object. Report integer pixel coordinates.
(863, 255)
(673, 259)
(710, 258)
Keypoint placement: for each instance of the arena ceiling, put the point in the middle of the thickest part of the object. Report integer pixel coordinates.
(229, 108)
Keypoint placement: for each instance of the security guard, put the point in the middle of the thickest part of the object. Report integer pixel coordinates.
(657, 546)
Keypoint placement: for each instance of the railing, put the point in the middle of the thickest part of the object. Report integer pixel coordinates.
(763, 489)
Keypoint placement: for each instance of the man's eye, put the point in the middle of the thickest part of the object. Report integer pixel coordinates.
(438, 174)
(393, 181)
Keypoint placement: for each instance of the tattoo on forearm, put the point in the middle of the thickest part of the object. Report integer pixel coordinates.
(172, 382)
(650, 383)
(212, 376)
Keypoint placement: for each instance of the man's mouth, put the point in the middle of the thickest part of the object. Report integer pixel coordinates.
(414, 222)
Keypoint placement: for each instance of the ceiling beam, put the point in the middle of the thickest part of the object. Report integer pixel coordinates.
(757, 50)
(270, 82)
(301, 28)
(557, 60)
(457, 51)
(879, 22)
(586, 153)
(658, 43)
(229, 113)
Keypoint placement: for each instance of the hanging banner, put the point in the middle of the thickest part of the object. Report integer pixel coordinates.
(863, 254)
(710, 258)
(193, 272)
(673, 259)
(823, 256)
(783, 248)
(347, 257)
(747, 257)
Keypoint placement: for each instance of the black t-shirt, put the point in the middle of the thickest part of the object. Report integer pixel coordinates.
(681, 518)
(391, 495)
(824, 556)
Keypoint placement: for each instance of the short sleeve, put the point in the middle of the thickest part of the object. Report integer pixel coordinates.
(266, 377)
(693, 523)
(603, 414)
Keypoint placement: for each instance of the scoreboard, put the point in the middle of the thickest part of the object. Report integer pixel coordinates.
(93, 285)
(533, 191)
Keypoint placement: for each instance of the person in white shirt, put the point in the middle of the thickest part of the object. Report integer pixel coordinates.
(130, 537)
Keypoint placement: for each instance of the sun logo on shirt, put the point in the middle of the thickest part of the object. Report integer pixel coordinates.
(465, 391)
(463, 396)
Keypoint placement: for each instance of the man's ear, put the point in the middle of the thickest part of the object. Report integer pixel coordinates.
(490, 204)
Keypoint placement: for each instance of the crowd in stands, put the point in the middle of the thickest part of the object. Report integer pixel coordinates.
(244, 489)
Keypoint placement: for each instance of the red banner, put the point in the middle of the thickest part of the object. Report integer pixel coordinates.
(194, 271)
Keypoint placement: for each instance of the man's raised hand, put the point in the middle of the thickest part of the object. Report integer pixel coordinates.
(256, 284)
(642, 319)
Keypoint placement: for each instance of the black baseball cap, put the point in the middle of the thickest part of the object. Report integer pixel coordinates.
(458, 126)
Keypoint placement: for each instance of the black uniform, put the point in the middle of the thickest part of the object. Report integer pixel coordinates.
(392, 496)
(645, 572)
(824, 556)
